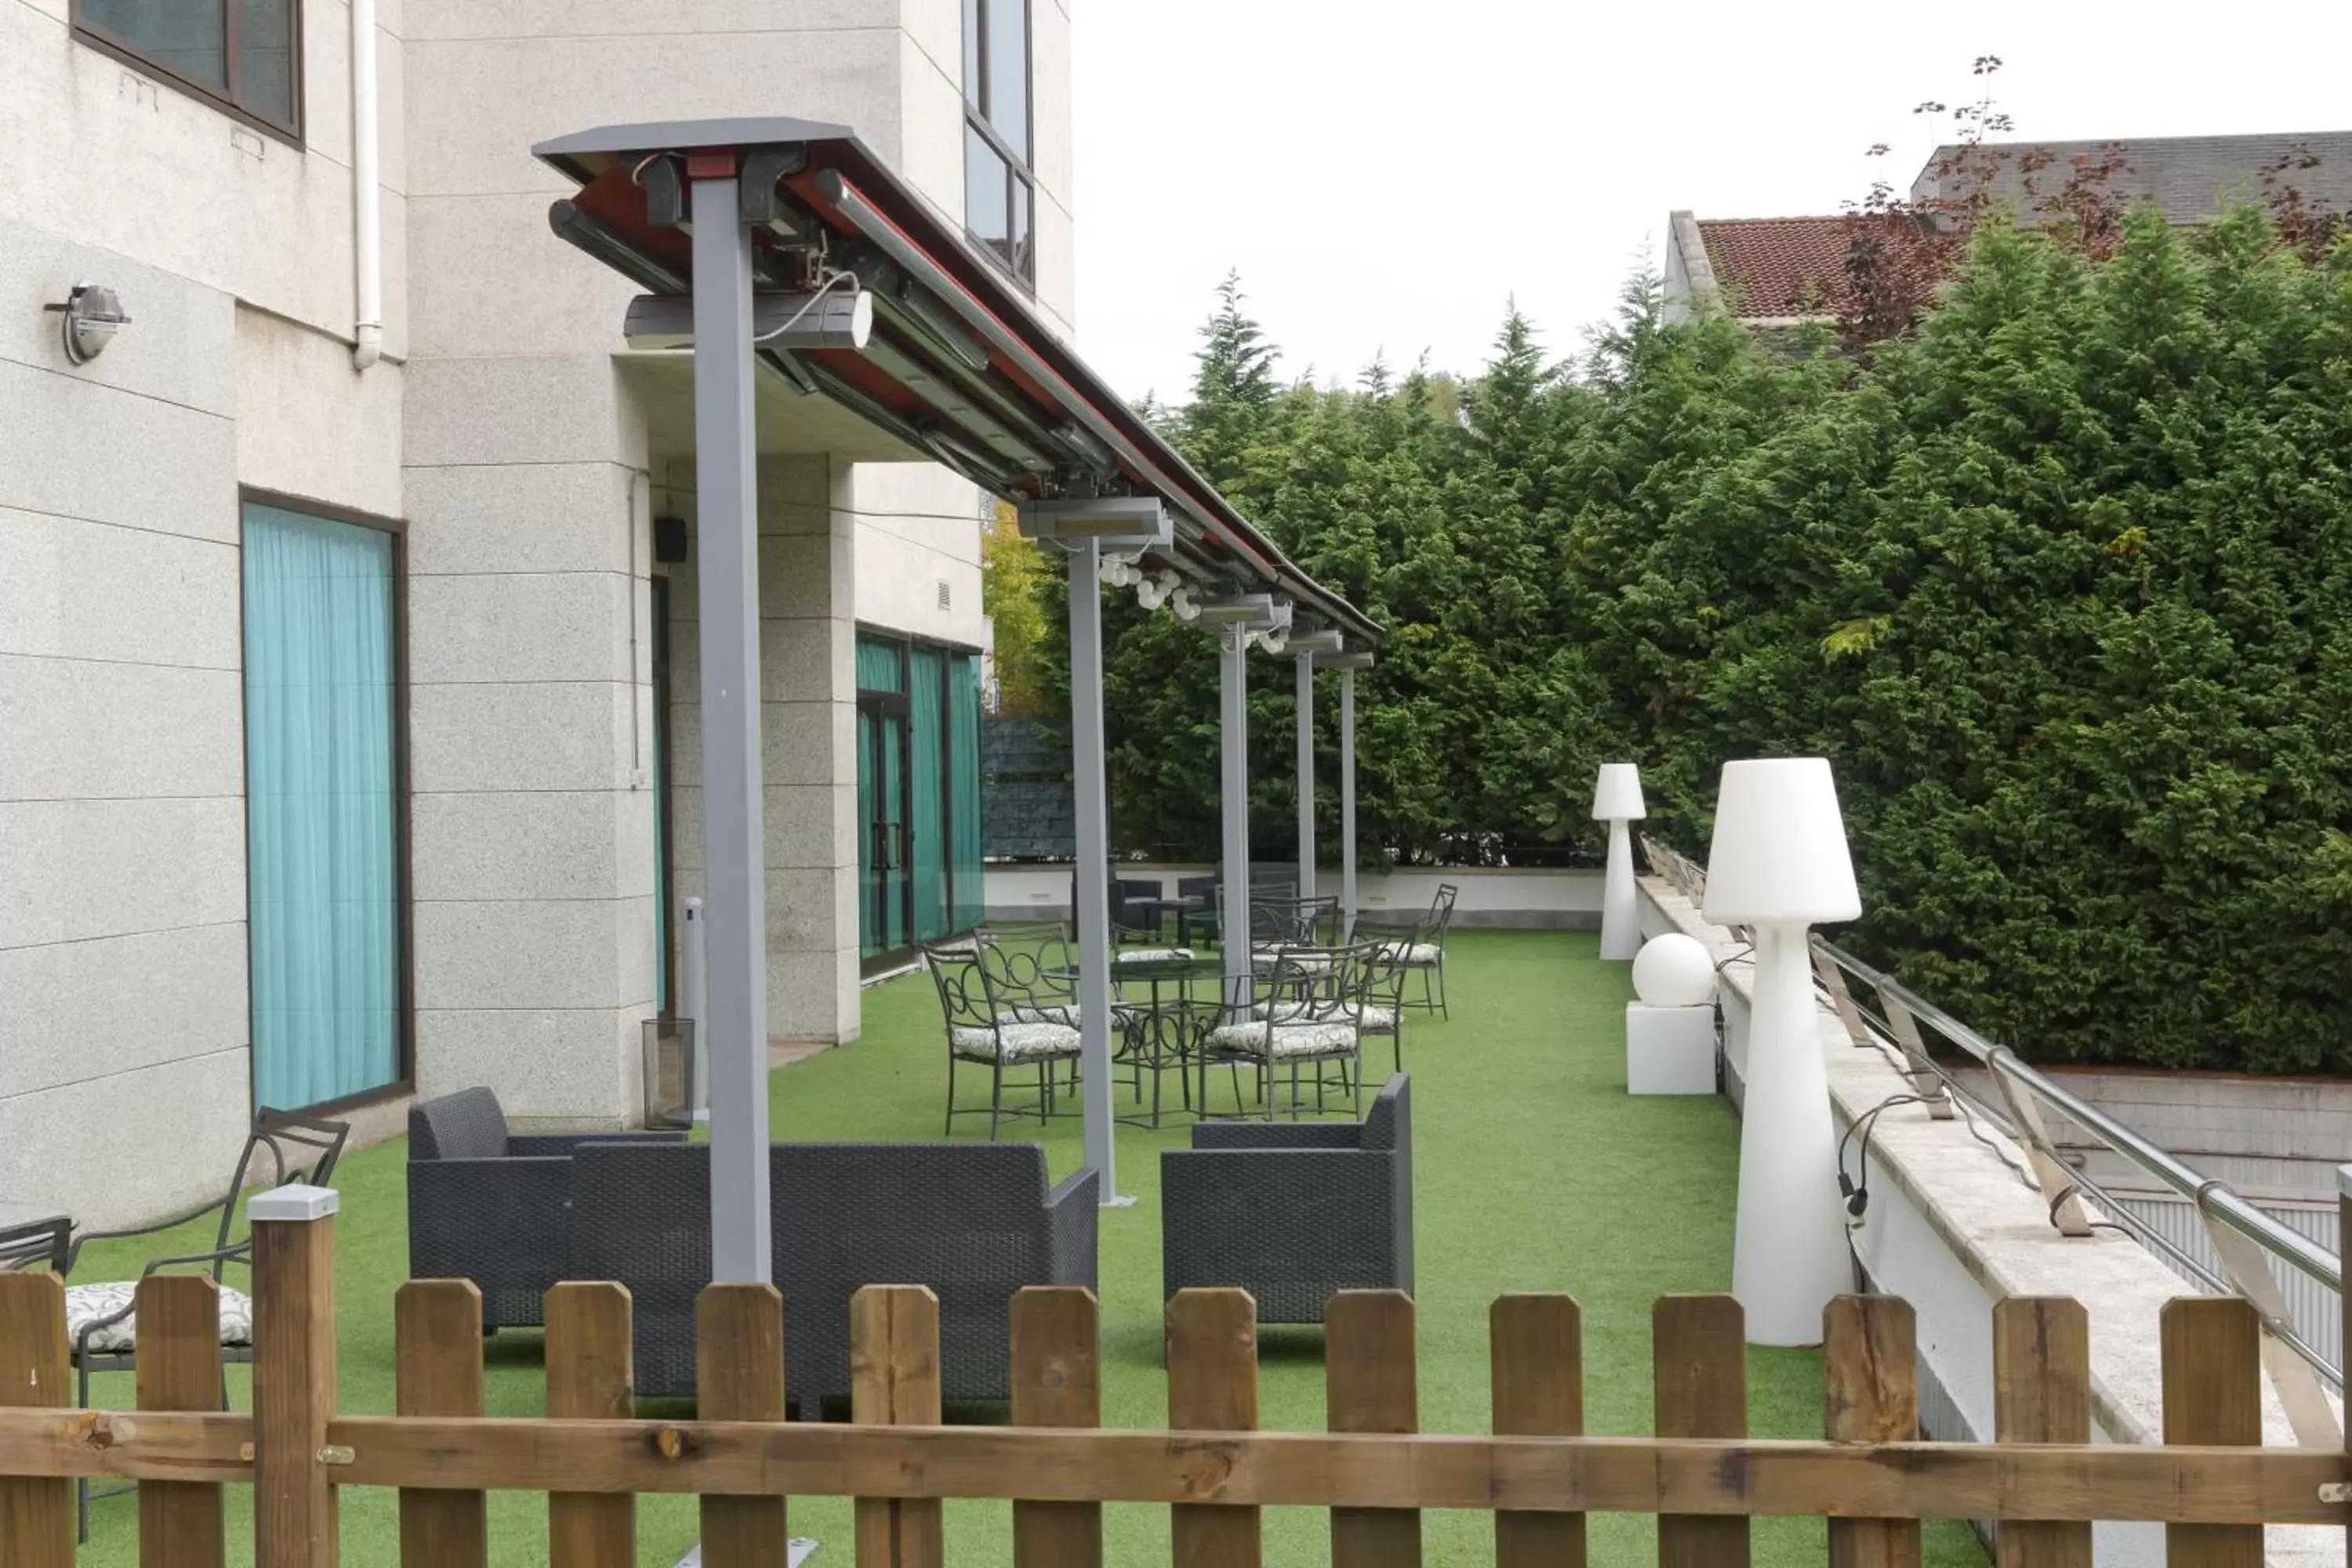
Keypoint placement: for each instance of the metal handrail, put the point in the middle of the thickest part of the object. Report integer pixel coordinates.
(2220, 1205)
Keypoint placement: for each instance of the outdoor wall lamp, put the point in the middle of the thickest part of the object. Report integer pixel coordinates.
(1316, 645)
(827, 318)
(1251, 612)
(1617, 801)
(1779, 863)
(92, 315)
(1359, 659)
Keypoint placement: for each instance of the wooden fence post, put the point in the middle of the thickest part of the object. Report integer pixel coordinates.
(37, 1516)
(2040, 1393)
(1869, 1370)
(437, 1356)
(1698, 1356)
(1369, 1385)
(894, 1380)
(739, 1376)
(590, 1375)
(179, 1368)
(1213, 1385)
(1057, 1381)
(2212, 1394)
(1535, 1354)
(294, 1503)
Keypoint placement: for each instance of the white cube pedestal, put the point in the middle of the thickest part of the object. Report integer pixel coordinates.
(1669, 1050)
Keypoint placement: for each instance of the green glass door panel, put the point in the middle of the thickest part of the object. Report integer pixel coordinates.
(927, 757)
(965, 869)
(891, 831)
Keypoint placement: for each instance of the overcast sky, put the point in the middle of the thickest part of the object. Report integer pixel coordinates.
(1385, 174)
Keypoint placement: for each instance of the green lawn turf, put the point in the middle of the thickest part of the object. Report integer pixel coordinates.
(1533, 1171)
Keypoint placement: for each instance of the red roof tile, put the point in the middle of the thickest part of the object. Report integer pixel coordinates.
(1775, 267)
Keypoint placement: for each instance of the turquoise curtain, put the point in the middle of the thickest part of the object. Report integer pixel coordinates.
(926, 705)
(322, 808)
(963, 789)
(878, 668)
(870, 876)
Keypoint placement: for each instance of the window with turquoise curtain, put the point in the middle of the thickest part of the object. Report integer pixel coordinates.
(878, 666)
(927, 711)
(323, 817)
(964, 791)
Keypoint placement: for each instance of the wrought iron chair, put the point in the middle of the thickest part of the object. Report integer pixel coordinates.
(993, 1020)
(101, 1327)
(1424, 951)
(1306, 1007)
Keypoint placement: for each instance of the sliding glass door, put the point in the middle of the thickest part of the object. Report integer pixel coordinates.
(324, 826)
(918, 796)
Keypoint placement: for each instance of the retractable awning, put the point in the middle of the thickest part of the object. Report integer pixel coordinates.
(954, 363)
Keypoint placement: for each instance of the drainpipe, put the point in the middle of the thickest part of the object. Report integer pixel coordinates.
(367, 190)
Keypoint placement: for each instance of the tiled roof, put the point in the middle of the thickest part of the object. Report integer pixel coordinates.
(1777, 268)
(2188, 176)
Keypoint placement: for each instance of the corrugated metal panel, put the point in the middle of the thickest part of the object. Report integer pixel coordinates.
(2314, 1309)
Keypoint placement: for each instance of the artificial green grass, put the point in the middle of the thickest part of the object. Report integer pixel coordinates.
(1533, 1171)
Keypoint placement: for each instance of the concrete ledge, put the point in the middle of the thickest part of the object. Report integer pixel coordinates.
(1954, 1230)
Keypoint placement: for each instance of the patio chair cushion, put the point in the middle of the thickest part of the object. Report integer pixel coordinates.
(1414, 954)
(1291, 1042)
(1017, 1042)
(1375, 1017)
(1152, 955)
(1299, 961)
(1066, 1014)
(87, 1304)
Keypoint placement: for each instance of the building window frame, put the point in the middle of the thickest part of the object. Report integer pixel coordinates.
(1020, 171)
(229, 99)
(404, 1080)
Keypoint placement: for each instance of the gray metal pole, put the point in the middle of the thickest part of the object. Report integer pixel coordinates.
(734, 836)
(1233, 733)
(1093, 873)
(1306, 663)
(693, 988)
(1348, 802)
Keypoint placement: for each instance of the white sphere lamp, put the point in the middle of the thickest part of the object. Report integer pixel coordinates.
(1617, 801)
(1674, 971)
(1779, 863)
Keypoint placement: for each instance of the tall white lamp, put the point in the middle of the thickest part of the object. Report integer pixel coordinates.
(1617, 801)
(1779, 864)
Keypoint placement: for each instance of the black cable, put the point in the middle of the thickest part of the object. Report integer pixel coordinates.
(1855, 1189)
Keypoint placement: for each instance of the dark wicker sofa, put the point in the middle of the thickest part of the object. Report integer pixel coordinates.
(1292, 1212)
(975, 1222)
(486, 1205)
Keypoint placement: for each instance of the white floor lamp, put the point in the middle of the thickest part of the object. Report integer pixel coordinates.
(1779, 864)
(1617, 801)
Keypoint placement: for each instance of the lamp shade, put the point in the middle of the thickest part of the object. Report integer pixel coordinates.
(1617, 794)
(1780, 856)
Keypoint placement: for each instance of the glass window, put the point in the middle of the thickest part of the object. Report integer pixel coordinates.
(974, 73)
(1008, 73)
(986, 202)
(1023, 254)
(322, 780)
(242, 54)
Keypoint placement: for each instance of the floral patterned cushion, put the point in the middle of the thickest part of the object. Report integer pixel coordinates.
(88, 1304)
(1152, 955)
(1376, 1018)
(1020, 1042)
(1291, 1042)
(1413, 955)
(1066, 1014)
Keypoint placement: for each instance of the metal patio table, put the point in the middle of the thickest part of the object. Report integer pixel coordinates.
(1160, 908)
(29, 1230)
(1161, 1027)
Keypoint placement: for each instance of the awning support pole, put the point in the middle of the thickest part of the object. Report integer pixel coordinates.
(733, 834)
(1306, 663)
(1233, 735)
(1348, 805)
(1093, 872)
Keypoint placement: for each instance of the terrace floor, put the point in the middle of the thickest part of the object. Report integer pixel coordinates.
(1533, 1172)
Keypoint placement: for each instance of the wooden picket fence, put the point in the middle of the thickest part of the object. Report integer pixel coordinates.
(2211, 1482)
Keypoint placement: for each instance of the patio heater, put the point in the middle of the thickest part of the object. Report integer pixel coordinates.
(1304, 647)
(1779, 864)
(1085, 529)
(1617, 801)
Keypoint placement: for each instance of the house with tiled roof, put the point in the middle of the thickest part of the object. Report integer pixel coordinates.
(1777, 272)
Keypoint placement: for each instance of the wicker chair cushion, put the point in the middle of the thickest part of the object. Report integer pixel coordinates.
(87, 1304)
(1152, 955)
(1019, 1042)
(1291, 1042)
